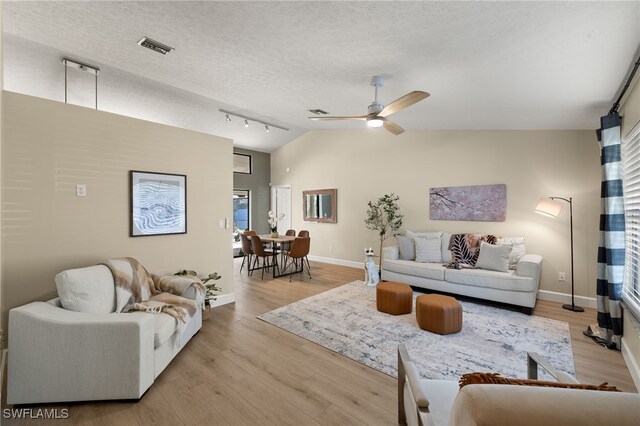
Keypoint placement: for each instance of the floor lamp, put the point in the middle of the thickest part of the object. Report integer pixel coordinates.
(550, 207)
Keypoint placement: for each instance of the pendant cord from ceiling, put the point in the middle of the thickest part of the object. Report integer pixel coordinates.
(634, 68)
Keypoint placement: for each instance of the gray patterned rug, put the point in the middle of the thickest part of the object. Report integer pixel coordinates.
(346, 321)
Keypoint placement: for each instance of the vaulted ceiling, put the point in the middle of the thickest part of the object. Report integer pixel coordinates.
(487, 65)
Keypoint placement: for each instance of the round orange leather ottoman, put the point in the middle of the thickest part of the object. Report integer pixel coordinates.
(394, 298)
(438, 314)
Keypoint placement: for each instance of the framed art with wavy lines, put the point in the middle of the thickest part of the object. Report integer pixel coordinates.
(158, 203)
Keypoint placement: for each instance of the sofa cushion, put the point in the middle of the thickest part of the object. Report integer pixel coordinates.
(406, 248)
(164, 326)
(428, 250)
(433, 271)
(89, 290)
(490, 279)
(446, 253)
(518, 249)
(494, 257)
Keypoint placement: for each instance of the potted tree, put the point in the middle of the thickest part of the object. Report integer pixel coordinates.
(211, 290)
(384, 217)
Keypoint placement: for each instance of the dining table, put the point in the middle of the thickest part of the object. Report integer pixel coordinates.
(275, 242)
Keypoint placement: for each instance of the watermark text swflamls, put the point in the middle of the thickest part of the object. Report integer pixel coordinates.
(36, 413)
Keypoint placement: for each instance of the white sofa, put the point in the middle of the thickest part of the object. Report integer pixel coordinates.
(517, 286)
(424, 402)
(58, 354)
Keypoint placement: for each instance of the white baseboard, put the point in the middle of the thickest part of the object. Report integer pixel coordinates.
(552, 296)
(351, 263)
(632, 366)
(224, 299)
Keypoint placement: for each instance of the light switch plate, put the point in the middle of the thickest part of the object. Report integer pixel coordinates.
(81, 190)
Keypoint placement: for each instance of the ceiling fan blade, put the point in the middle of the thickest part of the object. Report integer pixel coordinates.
(355, 117)
(403, 102)
(393, 127)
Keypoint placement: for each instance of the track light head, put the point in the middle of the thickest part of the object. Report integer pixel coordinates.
(267, 126)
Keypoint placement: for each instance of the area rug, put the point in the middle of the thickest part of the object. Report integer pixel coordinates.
(346, 321)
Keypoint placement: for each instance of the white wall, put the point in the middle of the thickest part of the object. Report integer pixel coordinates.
(363, 165)
(49, 147)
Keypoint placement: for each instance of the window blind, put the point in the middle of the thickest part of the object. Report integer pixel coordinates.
(631, 177)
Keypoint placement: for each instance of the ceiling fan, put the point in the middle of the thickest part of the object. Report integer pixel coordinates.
(378, 113)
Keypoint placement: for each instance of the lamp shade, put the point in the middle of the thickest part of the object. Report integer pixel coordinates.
(549, 207)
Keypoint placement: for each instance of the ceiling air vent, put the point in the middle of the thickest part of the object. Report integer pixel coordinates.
(318, 111)
(155, 45)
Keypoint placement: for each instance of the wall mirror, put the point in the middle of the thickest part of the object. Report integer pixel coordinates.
(320, 205)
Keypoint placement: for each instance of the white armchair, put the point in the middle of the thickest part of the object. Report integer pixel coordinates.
(58, 354)
(441, 402)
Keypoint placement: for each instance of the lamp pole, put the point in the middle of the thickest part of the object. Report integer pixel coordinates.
(572, 306)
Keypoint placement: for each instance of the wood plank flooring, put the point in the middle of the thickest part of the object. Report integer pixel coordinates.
(239, 370)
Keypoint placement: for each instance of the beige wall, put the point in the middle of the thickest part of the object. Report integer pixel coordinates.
(49, 147)
(364, 165)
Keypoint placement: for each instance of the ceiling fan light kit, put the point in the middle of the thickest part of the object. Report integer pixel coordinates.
(377, 113)
(375, 122)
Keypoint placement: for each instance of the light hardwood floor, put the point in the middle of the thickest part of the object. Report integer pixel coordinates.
(241, 371)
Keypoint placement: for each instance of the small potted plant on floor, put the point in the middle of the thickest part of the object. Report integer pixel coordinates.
(211, 290)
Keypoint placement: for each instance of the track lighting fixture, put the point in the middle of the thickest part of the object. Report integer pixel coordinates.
(267, 126)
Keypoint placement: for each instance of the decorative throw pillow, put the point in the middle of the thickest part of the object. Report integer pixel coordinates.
(446, 253)
(414, 235)
(497, 379)
(518, 249)
(494, 257)
(89, 290)
(406, 247)
(428, 250)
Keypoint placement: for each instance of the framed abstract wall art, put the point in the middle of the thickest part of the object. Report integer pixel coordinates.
(483, 203)
(242, 164)
(158, 203)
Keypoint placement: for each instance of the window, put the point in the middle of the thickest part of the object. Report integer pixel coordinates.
(631, 176)
(240, 212)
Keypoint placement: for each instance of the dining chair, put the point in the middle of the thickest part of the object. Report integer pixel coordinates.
(249, 232)
(247, 252)
(286, 246)
(259, 252)
(298, 255)
(303, 233)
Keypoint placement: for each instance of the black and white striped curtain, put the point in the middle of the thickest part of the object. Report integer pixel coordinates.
(612, 237)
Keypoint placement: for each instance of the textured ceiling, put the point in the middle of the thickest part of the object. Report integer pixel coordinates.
(487, 65)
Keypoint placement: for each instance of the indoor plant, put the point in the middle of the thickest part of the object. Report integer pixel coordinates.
(384, 216)
(211, 290)
(273, 222)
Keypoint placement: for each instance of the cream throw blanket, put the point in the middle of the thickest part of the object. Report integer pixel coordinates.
(138, 290)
